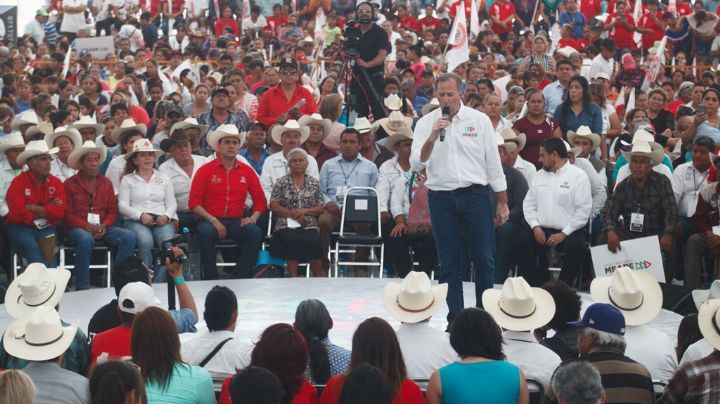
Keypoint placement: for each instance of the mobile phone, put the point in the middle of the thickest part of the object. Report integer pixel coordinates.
(702, 109)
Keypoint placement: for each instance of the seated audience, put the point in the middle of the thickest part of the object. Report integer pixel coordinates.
(701, 348)
(365, 384)
(688, 333)
(65, 140)
(10, 147)
(117, 382)
(567, 308)
(512, 145)
(578, 382)
(255, 151)
(370, 148)
(16, 387)
(319, 130)
(124, 135)
(219, 115)
(255, 385)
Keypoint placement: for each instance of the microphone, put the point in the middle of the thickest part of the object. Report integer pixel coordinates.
(445, 115)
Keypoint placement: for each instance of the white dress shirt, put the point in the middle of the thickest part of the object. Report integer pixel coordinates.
(468, 155)
(234, 355)
(115, 170)
(536, 361)
(526, 168)
(653, 349)
(399, 198)
(559, 200)
(690, 182)
(137, 196)
(389, 172)
(696, 351)
(597, 188)
(503, 123)
(61, 170)
(601, 65)
(7, 174)
(276, 166)
(180, 180)
(554, 94)
(425, 349)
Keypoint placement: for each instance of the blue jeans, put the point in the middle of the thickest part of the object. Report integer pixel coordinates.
(504, 236)
(149, 238)
(248, 238)
(470, 212)
(24, 240)
(84, 243)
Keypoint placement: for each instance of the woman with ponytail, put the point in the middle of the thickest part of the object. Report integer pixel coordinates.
(117, 382)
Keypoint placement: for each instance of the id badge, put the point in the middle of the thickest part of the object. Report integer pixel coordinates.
(636, 222)
(716, 230)
(341, 191)
(41, 223)
(93, 218)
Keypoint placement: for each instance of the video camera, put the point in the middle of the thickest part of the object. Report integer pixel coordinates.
(181, 241)
(352, 35)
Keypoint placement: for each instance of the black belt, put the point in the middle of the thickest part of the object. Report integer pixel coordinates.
(463, 190)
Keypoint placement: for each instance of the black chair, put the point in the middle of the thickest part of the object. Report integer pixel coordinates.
(536, 390)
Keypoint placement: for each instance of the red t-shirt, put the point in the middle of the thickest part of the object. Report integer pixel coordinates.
(502, 12)
(571, 42)
(683, 8)
(622, 36)
(468, 8)
(430, 23)
(306, 395)
(534, 134)
(115, 342)
(418, 69)
(409, 22)
(590, 9)
(646, 21)
(274, 24)
(409, 392)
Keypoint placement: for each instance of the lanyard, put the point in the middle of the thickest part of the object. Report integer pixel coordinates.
(351, 171)
(695, 184)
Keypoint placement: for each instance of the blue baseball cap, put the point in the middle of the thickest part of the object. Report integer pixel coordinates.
(602, 317)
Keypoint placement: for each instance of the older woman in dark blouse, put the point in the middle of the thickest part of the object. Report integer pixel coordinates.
(297, 201)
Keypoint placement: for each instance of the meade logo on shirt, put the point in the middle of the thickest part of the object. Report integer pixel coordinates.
(469, 131)
(565, 185)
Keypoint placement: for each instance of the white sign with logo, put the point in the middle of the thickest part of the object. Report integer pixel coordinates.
(99, 47)
(641, 254)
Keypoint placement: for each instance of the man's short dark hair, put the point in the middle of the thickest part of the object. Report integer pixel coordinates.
(487, 82)
(220, 304)
(118, 106)
(427, 74)
(554, 144)
(704, 141)
(129, 269)
(608, 44)
(350, 131)
(145, 16)
(567, 303)
(255, 385)
(225, 56)
(564, 61)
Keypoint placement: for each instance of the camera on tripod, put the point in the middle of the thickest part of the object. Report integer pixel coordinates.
(352, 35)
(160, 254)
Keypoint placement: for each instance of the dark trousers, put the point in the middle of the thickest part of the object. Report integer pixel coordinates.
(528, 252)
(398, 253)
(248, 238)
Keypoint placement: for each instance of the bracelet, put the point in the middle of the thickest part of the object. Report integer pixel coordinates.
(179, 281)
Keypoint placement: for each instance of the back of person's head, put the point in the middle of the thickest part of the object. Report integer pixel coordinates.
(255, 385)
(365, 384)
(475, 333)
(155, 345)
(578, 383)
(313, 320)
(567, 304)
(282, 350)
(688, 334)
(16, 387)
(129, 269)
(115, 382)
(376, 344)
(220, 308)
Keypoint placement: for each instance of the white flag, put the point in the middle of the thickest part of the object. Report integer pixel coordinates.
(66, 63)
(460, 51)
(637, 14)
(631, 101)
(653, 64)
(320, 21)
(474, 19)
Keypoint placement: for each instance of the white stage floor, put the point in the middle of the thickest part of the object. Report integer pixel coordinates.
(262, 302)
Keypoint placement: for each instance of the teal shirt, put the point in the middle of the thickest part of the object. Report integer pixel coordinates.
(494, 382)
(187, 385)
(621, 161)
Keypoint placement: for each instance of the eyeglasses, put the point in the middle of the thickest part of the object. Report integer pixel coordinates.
(288, 71)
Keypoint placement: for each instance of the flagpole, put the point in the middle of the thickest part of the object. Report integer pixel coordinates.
(532, 20)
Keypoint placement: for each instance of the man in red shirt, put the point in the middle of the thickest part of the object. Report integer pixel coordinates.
(621, 26)
(428, 22)
(590, 9)
(217, 195)
(406, 20)
(287, 100)
(276, 21)
(651, 25)
(36, 200)
(502, 13)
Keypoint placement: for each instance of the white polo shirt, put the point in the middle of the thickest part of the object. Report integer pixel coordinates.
(180, 180)
(136, 196)
(690, 182)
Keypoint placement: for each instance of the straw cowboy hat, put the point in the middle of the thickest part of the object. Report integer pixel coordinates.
(290, 126)
(701, 295)
(61, 131)
(393, 102)
(188, 122)
(362, 125)
(394, 123)
(430, 106)
(39, 337)
(42, 130)
(636, 294)
(12, 141)
(709, 322)
(35, 148)
(223, 131)
(566, 51)
(36, 286)
(87, 147)
(88, 122)
(125, 126)
(585, 132)
(28, 117)
(509, 135)
(402, 135)
(414, 299)
(519, 307)
(316, 119)
(499, 139)
(575, 151)
(140, 146)
(642, 149)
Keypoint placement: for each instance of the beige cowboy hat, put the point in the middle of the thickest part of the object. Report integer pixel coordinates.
(575, 151)
(709, 322)
(223, 131)
(39, 337)
(61, 131)
(188, 122)
(88, 122)
(414, 299)
(87, 147)
(290, 126)
(43, 129)
(362, 125)
(125, 126)
(317, 119)
(393, 102)
(566, 51)
(585, 132)
(430, 106)
(701, 295)
(36, 286)
(12, 141)
(643, 149)
(519, 307)
(395, 122)
(140, 146)
(509, 135)
(28, 117)
(636, 294)
(402, 135)
(35, 148)
(499, 139)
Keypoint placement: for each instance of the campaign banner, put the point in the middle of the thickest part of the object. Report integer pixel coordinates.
(99, 47)
(640, 254)
(8, 24)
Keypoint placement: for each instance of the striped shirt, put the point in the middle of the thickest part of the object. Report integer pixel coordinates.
(695, 382)
(51, 33)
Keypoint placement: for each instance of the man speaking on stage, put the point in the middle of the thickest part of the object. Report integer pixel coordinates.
(456, 145)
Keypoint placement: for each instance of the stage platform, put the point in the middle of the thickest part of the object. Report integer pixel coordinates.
(262, 302)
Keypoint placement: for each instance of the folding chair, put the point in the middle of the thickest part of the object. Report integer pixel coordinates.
(99, 246)
(362, 207)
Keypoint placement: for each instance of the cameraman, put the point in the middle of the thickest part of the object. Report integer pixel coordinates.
(373, 48)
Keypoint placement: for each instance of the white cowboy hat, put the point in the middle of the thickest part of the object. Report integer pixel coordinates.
(585, 132)
(40, 337)
(636, 294)
(414, 299)
(395, 122)
(641, 135)
(518, 307)
(290, 126)
(701, 295)
(575, 151)
(125, 126)
(223, 131)
(140, 146)
(28, 117)
(317, 119)
(499, 139)
(61, 131)
(12, 141)
(709, 322)
(35, 148)
(87, 147)
(362, 125)
(36, 286)
(188, 122)
(566, 51)
(43, 129)
(393, 102)
(643, 149)
(509, 135)
(88, 122)
(430, 106)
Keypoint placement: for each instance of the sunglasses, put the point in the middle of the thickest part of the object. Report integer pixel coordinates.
(288, 71)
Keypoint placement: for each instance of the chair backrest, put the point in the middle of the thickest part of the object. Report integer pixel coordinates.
(536, 390)
(360, 205)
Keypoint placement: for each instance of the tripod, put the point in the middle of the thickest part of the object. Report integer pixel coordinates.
(346, 74)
